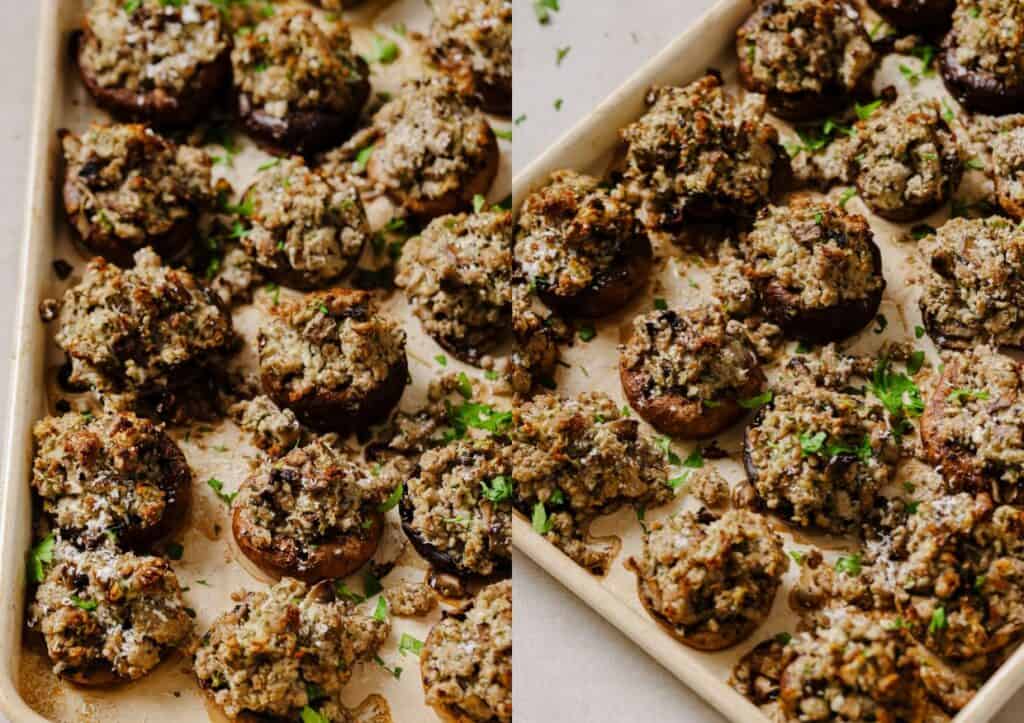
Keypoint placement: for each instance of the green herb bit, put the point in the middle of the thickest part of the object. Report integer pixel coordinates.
(478, 203)
(586, 333)
(396, 672)
(371, 584)
(409, 644)
(441, 359)
(384, 51)
(542, 8)
(499, 490)
(503, 134)
(560, 54)
(218, 488)
(915, 362)
(83, 604)
(960, 396)
(174, 550)
(849, 565)
(759, 401)
(798, 556)
(558, 104)
(938, 621)
(380, 613)
(362, 158)
(812, 443)
(465, 386)
(393, 498)
(660, 304)
(40, 557)
(541, 522)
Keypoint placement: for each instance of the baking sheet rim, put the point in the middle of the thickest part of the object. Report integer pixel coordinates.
(673, 656)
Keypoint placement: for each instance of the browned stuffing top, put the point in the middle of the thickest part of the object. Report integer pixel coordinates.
(696, 353)
(854, 666)
(100, 475)
(1008, 169)
(103, 610)
(909, 156)
(820, 456)
(297, 60)
(579, 458)
(427, 142)
(474, 37)
(280, 650)
(272, 429)
(805, 46)
(981, 420)
(974, 284)
(467, 659)
(571, 232)
(457, 275)
(815, 251)
(711, 578)
(333, 341)
(305, 222)
(698, 152)
(988, 37)
(152, 44)
(461, 502)
(138, 329)
(961, 584)
(130, 184)
(410, 599)
(313, 495)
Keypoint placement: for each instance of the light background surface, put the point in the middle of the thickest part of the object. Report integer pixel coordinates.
(569, 664)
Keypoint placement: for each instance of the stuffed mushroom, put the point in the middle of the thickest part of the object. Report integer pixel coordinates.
(471, 41)
(581, 247)
(699, 155)
(818, 457)
(311, 514)
(154, 61)
(279, 652)
(817, 268)
(466, 663)
(972, 290)
(300, 87)
(927, 17)
(307, 229)
(145, 330)
(1007, 171)
(982, 57)
(333, 359)
(457, 509)
(710, 581)
(108, 616)
(973, 426)
(126, 187)
(809, 57)
(430, 149)
(688, 372)
(111, 476)
(457, 277)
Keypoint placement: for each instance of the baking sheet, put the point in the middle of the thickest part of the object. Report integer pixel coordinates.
(211, 567)
(683, 280)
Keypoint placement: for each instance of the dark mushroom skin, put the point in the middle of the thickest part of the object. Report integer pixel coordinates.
(927, 17)
(439, 559)
(325, 409)
(803, 104)
(160, 106)
(611, 288)
(329, 560)
(979, 89)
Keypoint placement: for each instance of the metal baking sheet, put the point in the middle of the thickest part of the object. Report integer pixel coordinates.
(28, 689)
(592, 146)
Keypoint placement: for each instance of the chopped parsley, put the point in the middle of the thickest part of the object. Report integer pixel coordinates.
(918, 332)
(849, 565)
(866, 111)
(922, 230)
(965, 395)
(218, 488)
(915, 362)
(311, 715)
(380, 613)
(586, 333)
(362, 158)
(477, 416)
(131, 6)
(371, 584)
(812, 443)
(975, 164)
(560, 54)
(465, 386)
(938, 621)
(409, 644)
(666, 446)
(541, 521)
(558, 104)
(695, 460)
(845, 196)
(40, 557)
(542, 9)
(660, 304)
(393, 498)
(174, 550)
(520, 119)
(396, 672)
(503, 134)
(82, 604)
(759, 401)
(384, 51)
(268, 165)
(499, 490)
(441, 359)
(478, 203)
(798, 557)
(897, 392)
(783, 638)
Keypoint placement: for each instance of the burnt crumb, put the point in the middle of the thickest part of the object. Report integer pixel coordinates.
(62, 268)
(48, 310)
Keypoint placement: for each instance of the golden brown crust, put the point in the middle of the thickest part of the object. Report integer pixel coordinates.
(956, 464)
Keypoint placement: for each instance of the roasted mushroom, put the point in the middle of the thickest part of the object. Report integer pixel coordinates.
(107, 616)
(924, 17)
(716, 588)
(581, 247)
(154, 61)
(973, 426)
(809, 57)
(982, 57)
(457, 509)
(333, 359)
(312, 514)
(279, 652)
(300, 87)
(471, 41)
(466, 663)
(111, 476)
(973, 289)
(689, 373)
(699, 155)
(457, 277)
(307, 229)
(126, 187)
(817, 268)
(1007, 170)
